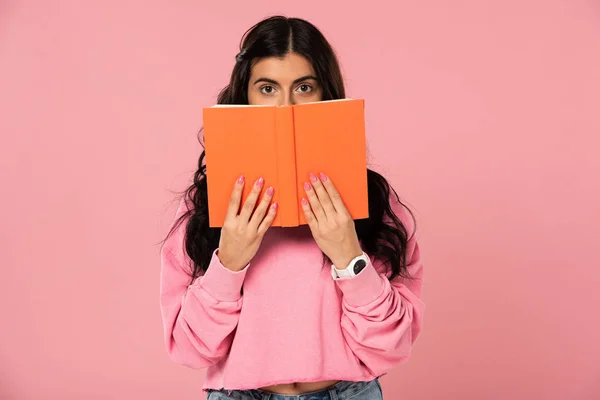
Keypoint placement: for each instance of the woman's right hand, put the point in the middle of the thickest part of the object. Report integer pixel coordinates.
(242, 233)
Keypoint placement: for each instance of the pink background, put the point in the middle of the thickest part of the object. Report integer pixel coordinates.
(484, 115)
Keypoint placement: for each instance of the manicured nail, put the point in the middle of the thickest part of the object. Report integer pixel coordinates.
(313, 178)
(306, 186)
(274, 206)
(260, 182)
(270, 191)
(323, 177)
(304, 201)
(241, 179)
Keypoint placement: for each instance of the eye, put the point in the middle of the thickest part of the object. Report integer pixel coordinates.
(267, 89)
(305, 88)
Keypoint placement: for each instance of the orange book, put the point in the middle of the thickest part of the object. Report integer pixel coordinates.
(284, 145)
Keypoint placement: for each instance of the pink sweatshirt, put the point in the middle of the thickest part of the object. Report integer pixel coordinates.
(283, 318)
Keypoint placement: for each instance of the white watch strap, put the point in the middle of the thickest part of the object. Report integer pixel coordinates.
(340, 273)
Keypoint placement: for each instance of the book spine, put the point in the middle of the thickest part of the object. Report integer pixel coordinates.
(287, 214)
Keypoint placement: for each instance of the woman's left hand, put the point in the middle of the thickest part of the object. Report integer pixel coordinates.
(330, 221)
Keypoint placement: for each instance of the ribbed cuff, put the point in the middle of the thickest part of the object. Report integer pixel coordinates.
(363, 288)
(222, 283)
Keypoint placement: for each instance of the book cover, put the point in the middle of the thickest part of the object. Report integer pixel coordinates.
(284, 144)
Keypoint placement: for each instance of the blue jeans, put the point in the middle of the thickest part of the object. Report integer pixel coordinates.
(344, 390)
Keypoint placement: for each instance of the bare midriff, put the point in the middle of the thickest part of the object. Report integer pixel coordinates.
(297, 388)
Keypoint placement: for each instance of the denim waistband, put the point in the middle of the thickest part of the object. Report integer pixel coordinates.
(341, 390)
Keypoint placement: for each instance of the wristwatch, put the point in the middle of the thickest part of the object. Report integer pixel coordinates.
(356, 265)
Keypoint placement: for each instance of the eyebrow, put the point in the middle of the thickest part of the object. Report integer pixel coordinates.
(274, 82)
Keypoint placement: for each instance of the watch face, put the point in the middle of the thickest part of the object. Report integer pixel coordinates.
(359, 266)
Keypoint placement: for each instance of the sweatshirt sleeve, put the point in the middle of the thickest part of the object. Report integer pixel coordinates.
(199, 319)
(381, 319)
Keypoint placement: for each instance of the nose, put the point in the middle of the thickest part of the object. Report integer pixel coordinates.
(286, 99)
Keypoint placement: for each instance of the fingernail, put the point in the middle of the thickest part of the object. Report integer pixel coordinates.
(241, 179)
(274, 206)
(306, 186)
(260, 182)
(313, 177)
(323, 177)
(304, 201)
(270, 191)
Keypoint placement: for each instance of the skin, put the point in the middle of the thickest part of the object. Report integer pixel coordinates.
(281, 82)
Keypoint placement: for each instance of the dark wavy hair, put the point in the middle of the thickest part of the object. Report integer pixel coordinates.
(382, 234)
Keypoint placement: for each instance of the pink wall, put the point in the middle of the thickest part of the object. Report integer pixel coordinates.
(485, 115)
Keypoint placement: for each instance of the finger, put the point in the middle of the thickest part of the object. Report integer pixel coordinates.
(250, 202)
(334, 195)
(323, 196)
(268, 220)
(315, 205)
(261, 210)
(310, 217)
(235, 198)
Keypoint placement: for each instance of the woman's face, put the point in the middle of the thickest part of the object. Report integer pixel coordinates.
(283, 81)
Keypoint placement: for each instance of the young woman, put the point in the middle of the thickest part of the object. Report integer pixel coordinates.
(315, 312)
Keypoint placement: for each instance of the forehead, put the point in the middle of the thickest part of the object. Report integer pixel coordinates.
(288, 68)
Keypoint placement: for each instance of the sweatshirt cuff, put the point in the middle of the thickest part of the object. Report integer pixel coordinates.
(363, 288)
(222, 283)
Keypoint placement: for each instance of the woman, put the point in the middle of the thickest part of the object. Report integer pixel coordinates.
(319, 311)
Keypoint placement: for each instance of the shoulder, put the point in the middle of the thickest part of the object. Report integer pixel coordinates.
(174, 244)
(403, 213)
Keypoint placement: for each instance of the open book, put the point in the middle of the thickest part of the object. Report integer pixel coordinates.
(284, 145)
